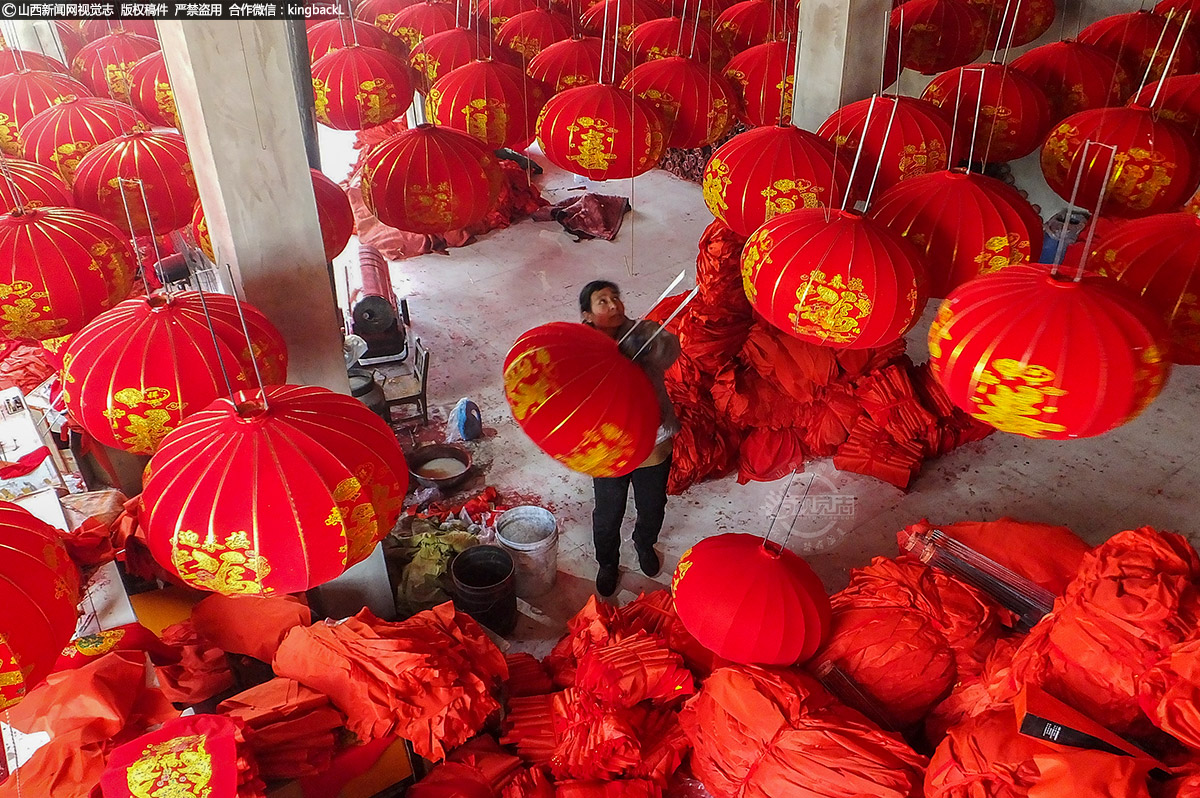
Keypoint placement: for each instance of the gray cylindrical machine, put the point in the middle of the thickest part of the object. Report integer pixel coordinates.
(375, 307)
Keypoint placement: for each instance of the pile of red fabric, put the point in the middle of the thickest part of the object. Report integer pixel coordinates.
(202, 670)
(252, 626)
(292, 730)
(480, 768)
(24, 365)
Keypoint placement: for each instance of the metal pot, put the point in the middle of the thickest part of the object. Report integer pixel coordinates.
(425, 454)
(364, 388)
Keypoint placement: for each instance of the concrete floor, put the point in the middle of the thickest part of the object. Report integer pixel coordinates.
(470, 305)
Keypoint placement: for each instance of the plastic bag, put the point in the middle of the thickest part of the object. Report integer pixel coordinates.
(465, 422)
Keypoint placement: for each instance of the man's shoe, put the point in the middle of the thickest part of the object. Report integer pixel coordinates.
(606, 580)
(648, 560)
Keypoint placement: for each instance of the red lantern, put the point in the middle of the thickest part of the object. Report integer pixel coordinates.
(380, 13)
(706, 11)
(204, 755)
(1048, 357)
(966, 225)
(442, 53)
(1175, 10)
(1014, 114)
(621, 17)
(1074, 76)
(25, 94)
(917, 140)
(1178, 101)
(670, 36)
(580, 400)
(1033, 18)
(39, 590)
(752, 22)
(751, 601)
(307, 481)
(159, 160)
(1159, 258)
(414, 23)
(14, 60)
(758, 75)
(61, 135)
(848, 282)
(767, 171)
(577, 62)
(696, 103)
(37, 186)
(136, 371)
(494, 13)
(103, 65)
(150, 91)
(70, 38)
(360, 87)
(428, 180)
(1143, 41)
(95, 29)
(335, 34)
(494, 102)
(1156, 164)
(530, 32)
(61, 267)
(601, 132)
(936, 35)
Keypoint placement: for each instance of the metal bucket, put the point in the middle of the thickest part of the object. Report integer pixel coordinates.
(530, 534)
(484, 587)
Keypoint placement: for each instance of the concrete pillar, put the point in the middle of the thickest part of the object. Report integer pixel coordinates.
(234, 88)
(37, 35)
(841, 55)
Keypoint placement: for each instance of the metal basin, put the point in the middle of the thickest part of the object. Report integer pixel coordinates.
(426, 454)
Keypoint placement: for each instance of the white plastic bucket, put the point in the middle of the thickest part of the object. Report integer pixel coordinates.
(530, 535)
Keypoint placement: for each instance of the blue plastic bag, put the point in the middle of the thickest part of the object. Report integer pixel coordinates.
(465, 422)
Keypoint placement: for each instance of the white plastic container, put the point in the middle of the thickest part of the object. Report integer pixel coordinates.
(530, 535)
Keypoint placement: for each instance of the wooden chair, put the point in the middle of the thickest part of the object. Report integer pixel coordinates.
(409, 388)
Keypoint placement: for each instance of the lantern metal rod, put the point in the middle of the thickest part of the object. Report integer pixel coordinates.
(216, 346)
(678, 279)
(6, 169)
(249, 343)
(779, 509)
(604, 42)
(1087, 245)
(1062, 239)
(887, 29)
(978, 113)
(887, 132)
(1000, 27)
(616, 39)
(129, 220)
(696, 32)
(1150, 63)
(1170, 59)
(858, 155)
(149, 224)
(682, 305)
(783, 84)
(799, 510)
(682, 20)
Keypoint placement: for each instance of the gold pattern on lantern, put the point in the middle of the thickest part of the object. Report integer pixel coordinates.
(231, 567)
(1001, 251)
(601, 453)
(94, 645)
(1148, 378)
(1139, 176)
(786, 195)
(938, 332)
(1013, 397)
(377, 101)
(164, 98)
(487, 119)
(593, 148)
(714, 186)
(920, 159)
(830, 308)
(685, 565)
(528, 383)
(753, 257)
(177, 768)
(22, 317)
(430, 204)
(321, 99)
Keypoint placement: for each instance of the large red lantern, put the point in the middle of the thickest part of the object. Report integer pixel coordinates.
(760, 75)
(105, 181)
(669, 36)
(494, 102)
(580, 399)
(61, 135)
(1156, 166)
(752, 22)
(14, 60)
(69, 37)
(59, 269)
(966, 224)
(335, 34)
(834, 278)
(95, 29)
(530, 32)
(621, 17)
(601, 132)
(39, 591)
(150, 90)
(355, 88)
(1074, 77)
(936, 35)
(1048, 357)
(1014, 113)
(916, 140)
(1141, 41)
(494, 13)
(380, 13)
(103, 65)
(428, 180)
(1178, 100)
(273, 492)
(577, 62)
(136, 371)
(767, 171)
(1014, 22)
(1159, 258)
(36, 186)
(24, 94)
(706, 11)
(751, 601)
(414, 23)
(696, 103)
(442, 53)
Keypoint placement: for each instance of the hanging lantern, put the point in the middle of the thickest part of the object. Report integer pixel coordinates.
(150, 91)
(136, 371)
(964, 223)
(1156, 166)
(1014, 113)
(414, 23)
(428, 180)
(671, 36)
(621, 17)
(442, 53)
(39, 590)
(355, 88)
(103, 65)
(917, 140)
(530, 32)
(494, 13)
(1074, 76)
(94, 29)
(61, 267)
(1142, 41)
(1159, 258)
(577, 62)
(37, 186)
(380, 13)
(706, 11)
(936, 35)
(159, 160)
(848, 283)
(494, 102)
(601, 133)
(1175, 10)
(696, 103)
(14, 60)
(752, 22)
(1048, 357)
(25, 94)
(1178, 101)
(307, 482)
(580, 400)
(70, 38)
(751, 601)
(759, 75)
(1033, 18)
(336, 34)
(61, 135)
(767, 171)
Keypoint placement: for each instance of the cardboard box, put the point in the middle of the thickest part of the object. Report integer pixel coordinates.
(19, 436)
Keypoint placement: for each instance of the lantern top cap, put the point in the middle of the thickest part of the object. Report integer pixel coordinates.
(772, 549)
(251, 410)
(158, 301)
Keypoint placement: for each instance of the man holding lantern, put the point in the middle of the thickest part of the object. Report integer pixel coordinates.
(601, 307)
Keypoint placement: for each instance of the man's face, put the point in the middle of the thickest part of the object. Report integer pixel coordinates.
(608, 311)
